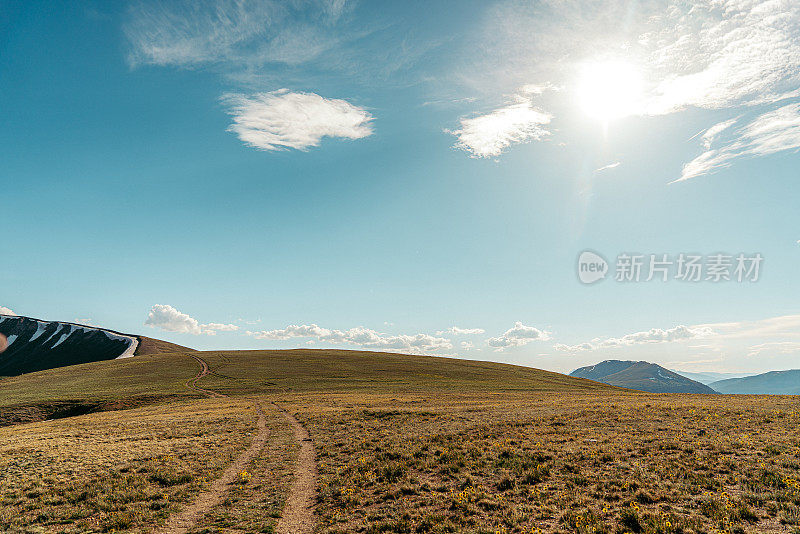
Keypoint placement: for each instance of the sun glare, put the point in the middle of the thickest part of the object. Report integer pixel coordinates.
(609, 90)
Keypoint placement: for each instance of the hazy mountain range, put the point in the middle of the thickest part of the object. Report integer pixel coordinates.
(645, 376)
(709, 377)
(772, 383)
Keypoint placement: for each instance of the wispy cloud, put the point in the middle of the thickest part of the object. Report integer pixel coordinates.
(780, 326)
(717, 54)
(240, 33)
(608, 167)
(769, 133)
(275, 43)
(491, 134)
(456, 331)
(281, 120)
(775, 347)
(517, 336)
(167, 318)
(360, 336)
(708, 54)
(654, 335)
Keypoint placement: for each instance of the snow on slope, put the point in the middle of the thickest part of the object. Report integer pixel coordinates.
(34, 344)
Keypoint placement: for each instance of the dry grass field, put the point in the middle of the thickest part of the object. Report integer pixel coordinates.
(583, 463)
(129, 470)
(404, 444)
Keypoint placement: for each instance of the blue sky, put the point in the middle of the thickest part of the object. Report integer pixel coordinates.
(405, 176)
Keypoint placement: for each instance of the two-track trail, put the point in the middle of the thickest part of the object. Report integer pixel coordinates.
(298, 513)
(188, 517)
(297, 516)
(204, 371)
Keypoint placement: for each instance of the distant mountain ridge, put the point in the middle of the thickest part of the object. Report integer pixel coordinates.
(709, 377)
(772, 383)
(643, 376)
(36, 344)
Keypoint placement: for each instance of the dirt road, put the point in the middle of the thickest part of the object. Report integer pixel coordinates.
(298, 514)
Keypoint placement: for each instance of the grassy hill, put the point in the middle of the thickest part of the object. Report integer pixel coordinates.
(149, 377)
(148, 346)
(403, 444)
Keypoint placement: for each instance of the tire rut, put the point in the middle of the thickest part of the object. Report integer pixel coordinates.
(297, 516)
(206, 500)
(204, 371)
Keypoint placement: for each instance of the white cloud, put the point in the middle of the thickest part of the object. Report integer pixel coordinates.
(360, 336)
(710, 134)
(221, 327)
(721, 53)
(518, 336)
(608, 167)
(168, 318)
(280, 120)
(245, 33)
(772, 327)
(6, 311)
(771, 132)
(654, 335)
(708, 54)
(491, 134)
(456, 331)
(774, 347)
(467, 345)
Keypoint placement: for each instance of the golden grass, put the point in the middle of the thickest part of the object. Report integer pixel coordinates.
(117, 470)
(259, 493)
(579, 462)
(405, 444)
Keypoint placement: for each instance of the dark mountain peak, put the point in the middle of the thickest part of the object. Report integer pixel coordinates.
(641, 375)
(35, 344)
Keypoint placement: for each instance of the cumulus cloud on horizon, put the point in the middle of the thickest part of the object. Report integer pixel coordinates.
(360, 336)
(456, 331)
(6, 311)
(168, 318)
(517, 336)
(281, 120)
(654, 335)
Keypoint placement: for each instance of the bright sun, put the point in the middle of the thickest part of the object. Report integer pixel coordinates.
(609, 90)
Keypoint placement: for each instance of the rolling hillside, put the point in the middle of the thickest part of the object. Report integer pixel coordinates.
(772, 383)
(642, 376)
(376, 442)
(149, 378)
